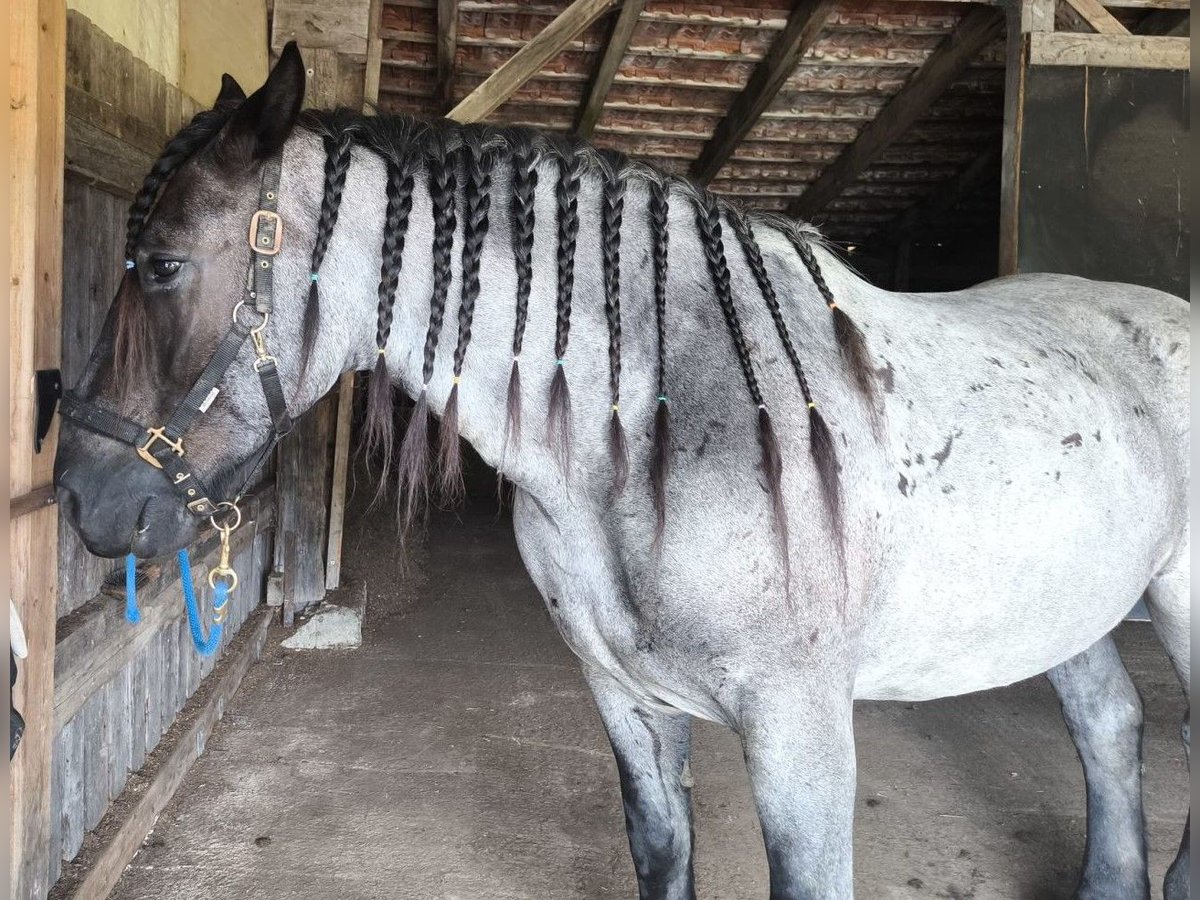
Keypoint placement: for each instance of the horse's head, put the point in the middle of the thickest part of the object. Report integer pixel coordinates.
(124, 486)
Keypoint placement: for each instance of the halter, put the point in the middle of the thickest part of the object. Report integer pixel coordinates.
(162, 446)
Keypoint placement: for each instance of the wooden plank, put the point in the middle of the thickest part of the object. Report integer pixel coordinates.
(1097, 17)
(592, 106)
(98, 643)
(341, 26)
(527, 61)
(1105, 50)
(803, 28)
(102, 867)
(341, 469)
(38, 498)
(37, 47)
(447, 46)
(104, 161)
(977, 29)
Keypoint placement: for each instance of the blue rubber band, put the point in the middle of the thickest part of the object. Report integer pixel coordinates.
(132, 614)
(314, 277)
(559, 362)
(130, 264)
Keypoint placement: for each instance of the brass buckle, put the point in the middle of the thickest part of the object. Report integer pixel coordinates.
(224, 568)
(265, 245)
(156, 434)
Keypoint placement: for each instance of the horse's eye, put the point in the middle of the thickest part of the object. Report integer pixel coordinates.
(165, 269)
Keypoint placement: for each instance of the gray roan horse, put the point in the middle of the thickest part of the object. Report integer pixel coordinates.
(747, 491)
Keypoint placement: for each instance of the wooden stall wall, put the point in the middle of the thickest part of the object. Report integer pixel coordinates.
(1105, 175)
(117, 687)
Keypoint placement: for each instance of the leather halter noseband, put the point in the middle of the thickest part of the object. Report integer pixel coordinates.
(162, 446)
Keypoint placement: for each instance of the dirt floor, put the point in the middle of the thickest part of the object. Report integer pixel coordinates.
(457, 754)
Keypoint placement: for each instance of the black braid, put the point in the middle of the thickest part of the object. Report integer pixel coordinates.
(612, 209)
(708, 219)
(567, 198)
(337, 164)
(524, 187)
(850, 339)
(821, 444)
(477, 201)
(379, 425)
(414, 464)
(660, 462)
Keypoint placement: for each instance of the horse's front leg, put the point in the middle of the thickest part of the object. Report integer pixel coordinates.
(799, 745)
(652, 750)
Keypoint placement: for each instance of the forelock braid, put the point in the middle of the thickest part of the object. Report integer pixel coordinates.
(414, 462)
(660, 462)
(337, 164)
(612, 209)
(131, 328)
(524, 187)
(558, 425)
(708, 220)
(820, 440)
(477, 203)
(380, 431)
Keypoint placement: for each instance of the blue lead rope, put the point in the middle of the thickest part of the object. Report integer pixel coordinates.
(205, 646)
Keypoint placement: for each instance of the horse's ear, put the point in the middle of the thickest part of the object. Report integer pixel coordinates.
(231, 91)
(264, 121)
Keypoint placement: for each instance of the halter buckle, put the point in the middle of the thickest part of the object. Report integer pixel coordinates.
(266, 243)
(156, 434)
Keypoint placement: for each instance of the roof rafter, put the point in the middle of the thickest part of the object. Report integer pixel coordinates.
(528, 61)
(803, 27)
(592, 106)
(1099, 19)
(976, 30)
(447, 45)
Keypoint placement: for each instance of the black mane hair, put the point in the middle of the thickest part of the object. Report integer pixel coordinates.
(452, 154)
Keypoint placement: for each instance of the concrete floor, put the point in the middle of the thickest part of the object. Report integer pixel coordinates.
(457, 754)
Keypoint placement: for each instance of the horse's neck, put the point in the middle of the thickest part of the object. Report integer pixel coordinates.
(353, 264)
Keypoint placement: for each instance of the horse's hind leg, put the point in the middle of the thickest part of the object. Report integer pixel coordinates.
(1169, 602)
(1104, 716)
(652, 749)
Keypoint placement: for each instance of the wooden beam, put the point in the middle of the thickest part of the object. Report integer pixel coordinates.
(592, 106)
(803, 27)
(38, 498)
(447, 46)
(528, 61)
(944, 197)
(34, 146)
(1105, 50)
(978, 28)
(127, 824)
(370, 101)
(1097, 17)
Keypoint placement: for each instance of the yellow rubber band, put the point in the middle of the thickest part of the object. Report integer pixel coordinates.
(811, 405)
(457, 379)
(833, 306)
(381, 351)
(616, 407)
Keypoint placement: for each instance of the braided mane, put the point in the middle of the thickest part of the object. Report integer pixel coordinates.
(450, 155)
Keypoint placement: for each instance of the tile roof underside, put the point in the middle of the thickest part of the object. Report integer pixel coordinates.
(687, 62)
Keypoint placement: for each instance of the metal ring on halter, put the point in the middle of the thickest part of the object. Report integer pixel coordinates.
(226, 504)
(258, 328)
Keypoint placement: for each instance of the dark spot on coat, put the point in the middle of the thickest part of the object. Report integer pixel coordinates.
(903, 485)
(964, 853)
(944, 454)
(887, 377)
(1138, 411)
(1057, 474)
(915, 883)
(947, 489)
(994, 361)
(1171, 350)
(1042, 353)
(1072, 440)
(263, 840)
(716, 424)
(920, 459)
(554, 602)
(906, 461)
(873, 802)
(703, 446)
(813, 635)
(1096, 435)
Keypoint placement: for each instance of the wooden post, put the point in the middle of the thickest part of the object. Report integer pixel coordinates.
(447, 46)
(37, 85)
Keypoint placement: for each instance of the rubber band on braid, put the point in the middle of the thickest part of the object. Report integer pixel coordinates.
(821, 444)
(612, 209)
(660, 460)
(521, 213)
(558, 424)
(708, 220)
(477, 203)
